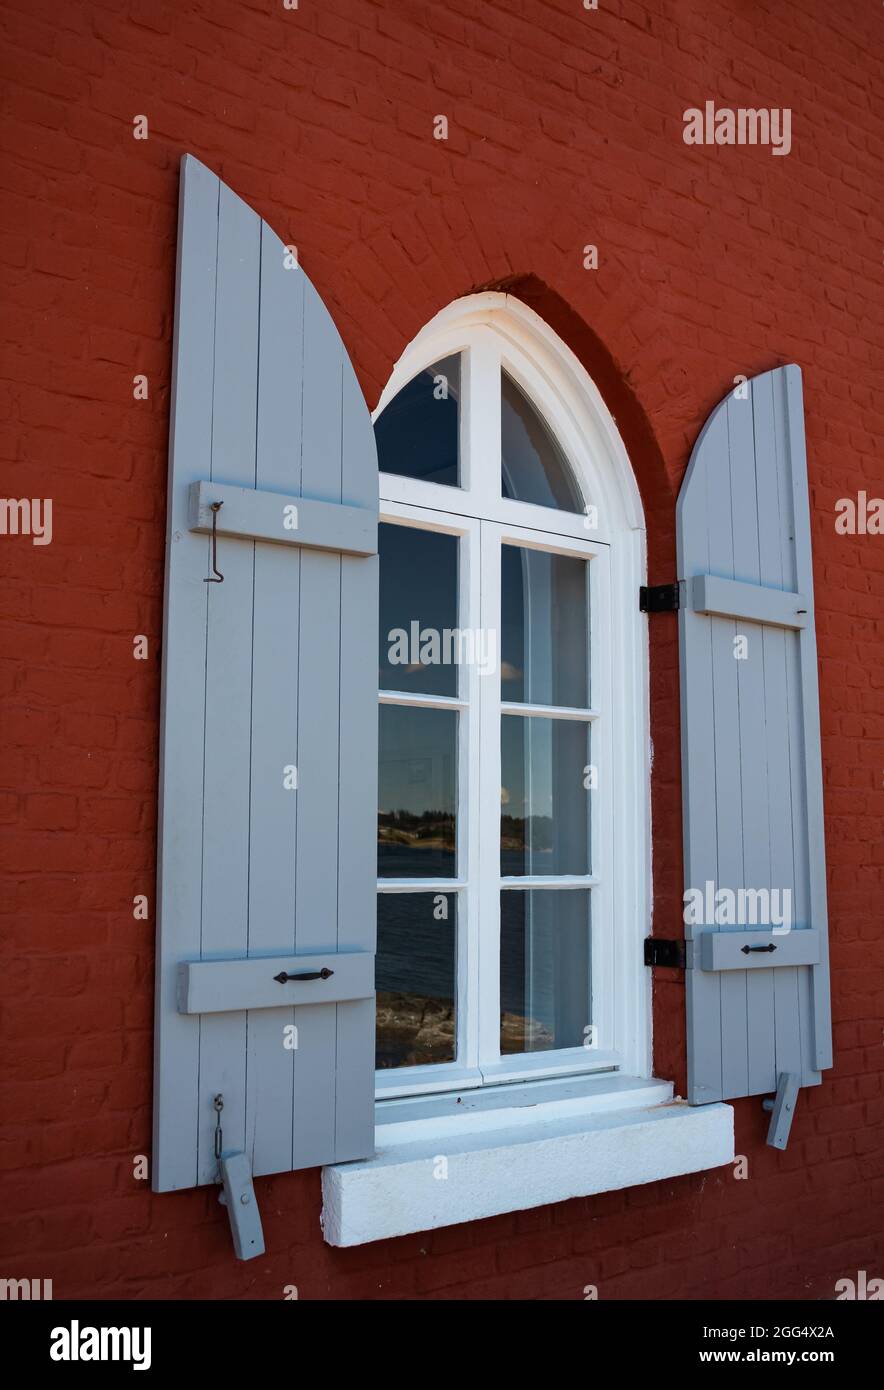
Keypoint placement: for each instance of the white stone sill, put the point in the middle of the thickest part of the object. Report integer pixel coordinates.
(509, 1154)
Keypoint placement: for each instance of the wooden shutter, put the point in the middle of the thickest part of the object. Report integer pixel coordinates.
(269, 716)
(752, 778)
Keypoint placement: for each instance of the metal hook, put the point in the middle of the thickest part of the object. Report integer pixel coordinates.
(216, 507)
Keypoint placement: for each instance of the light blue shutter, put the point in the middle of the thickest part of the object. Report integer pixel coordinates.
(268, 677)
(751, 768)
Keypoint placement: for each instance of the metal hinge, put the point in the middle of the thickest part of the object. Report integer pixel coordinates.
(659, 598)
(662, 950)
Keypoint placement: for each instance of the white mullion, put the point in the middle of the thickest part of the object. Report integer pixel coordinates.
(481, 435)
(420, 885)
(418, 701)
(489, 816)
(469, 754)
(549, 881)
(549, 711)
(564, 529)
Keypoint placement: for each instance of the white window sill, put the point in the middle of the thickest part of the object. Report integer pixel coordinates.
(541, 1143)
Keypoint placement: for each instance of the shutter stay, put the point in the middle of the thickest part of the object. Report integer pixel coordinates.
(238, 1196)
(282, 519)
(782, 1108)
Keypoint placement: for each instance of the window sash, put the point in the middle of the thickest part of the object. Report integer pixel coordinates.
(478, 881)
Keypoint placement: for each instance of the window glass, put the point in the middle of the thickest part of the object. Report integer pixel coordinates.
(544, 628)
(418, 433)
(544, 796)
(415, 979)
(545, 963)
(533, 466)
(418, 607)
(416, 792)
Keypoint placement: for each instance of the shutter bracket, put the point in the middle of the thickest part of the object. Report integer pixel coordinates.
(661, 950)
(238, 1196)
(659, 598)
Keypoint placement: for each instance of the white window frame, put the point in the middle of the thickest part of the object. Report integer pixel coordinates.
(491, 331)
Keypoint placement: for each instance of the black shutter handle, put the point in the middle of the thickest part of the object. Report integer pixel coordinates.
(322, 974)
(747, 949)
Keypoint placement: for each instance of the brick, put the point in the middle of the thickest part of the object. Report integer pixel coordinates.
(564, 129)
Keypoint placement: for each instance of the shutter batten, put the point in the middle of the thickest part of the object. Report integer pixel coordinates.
(751, 765)
(268, 684)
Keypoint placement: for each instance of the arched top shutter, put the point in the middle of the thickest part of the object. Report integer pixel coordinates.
(269, 722)
(758, 979)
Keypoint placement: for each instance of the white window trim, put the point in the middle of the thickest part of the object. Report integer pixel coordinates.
(491, 330)
(548, 1136)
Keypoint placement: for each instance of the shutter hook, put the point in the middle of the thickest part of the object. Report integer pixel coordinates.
(216, 507)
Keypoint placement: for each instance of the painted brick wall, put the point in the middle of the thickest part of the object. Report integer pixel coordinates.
(565, 129)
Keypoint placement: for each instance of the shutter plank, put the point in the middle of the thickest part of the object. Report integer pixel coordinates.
(728, 821)
(748, 491)
(274, 697)
(177, 1038)
(357, 872)
(229, 674)
(698, 750)
(774, 529)
(318, 735)
(813, 763)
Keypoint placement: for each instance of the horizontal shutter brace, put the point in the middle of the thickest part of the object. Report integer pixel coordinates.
(715, 597)
(282, 519)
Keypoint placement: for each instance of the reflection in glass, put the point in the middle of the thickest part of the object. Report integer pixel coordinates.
(544, 628)
(533, 466)
(544, 796)
(418, 433)
(545, 966)
(418, 600)
(415, 976)
(416, 792)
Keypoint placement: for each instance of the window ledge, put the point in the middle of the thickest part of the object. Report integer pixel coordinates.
(553, 1151)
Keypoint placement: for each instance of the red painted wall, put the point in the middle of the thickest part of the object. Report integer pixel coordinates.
(565, 129)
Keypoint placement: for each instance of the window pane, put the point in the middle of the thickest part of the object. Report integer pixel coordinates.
(545, 965)
(544, 796)
(415, 975)
(416, 792)
(418, 607)
(534, 468)
(418, 433)
(545, 628)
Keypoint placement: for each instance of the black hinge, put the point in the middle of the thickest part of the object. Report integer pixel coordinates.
(662, 950)
(658, 598)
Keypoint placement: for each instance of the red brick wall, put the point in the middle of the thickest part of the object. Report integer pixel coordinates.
(565, 129)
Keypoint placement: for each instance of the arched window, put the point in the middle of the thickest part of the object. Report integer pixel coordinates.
(513, 801)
